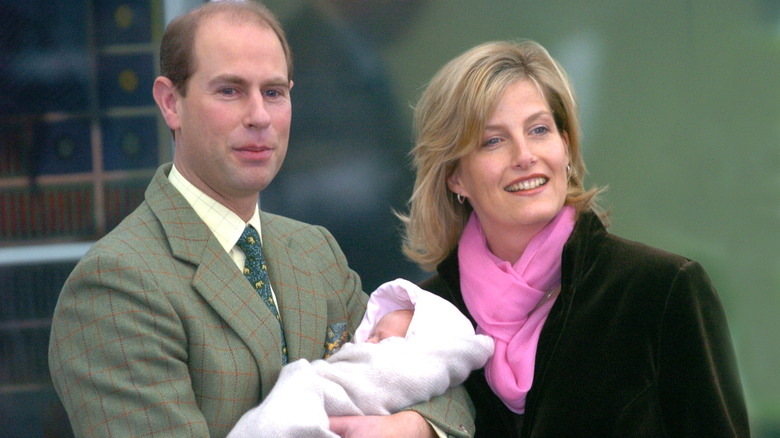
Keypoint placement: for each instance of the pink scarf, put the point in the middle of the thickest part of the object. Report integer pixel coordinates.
(511, 303)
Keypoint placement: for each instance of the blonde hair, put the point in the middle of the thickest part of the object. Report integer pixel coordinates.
(449, 120)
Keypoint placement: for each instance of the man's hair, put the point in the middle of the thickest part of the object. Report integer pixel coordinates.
(177, 60)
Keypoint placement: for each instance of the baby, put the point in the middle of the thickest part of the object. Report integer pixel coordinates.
(411, 346)
(393, 324)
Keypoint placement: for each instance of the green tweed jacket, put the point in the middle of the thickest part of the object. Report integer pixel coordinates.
(157, 333)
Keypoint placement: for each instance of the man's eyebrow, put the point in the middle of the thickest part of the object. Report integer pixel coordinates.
(227, 79)
(277, 82)
(239, 80)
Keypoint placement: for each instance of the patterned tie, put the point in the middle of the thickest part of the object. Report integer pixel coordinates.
(257, 274)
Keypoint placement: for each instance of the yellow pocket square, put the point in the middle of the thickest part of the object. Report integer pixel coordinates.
(335, 336)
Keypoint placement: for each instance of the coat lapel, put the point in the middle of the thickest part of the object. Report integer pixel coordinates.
(304, 313)
(217, 279)
(229, 293)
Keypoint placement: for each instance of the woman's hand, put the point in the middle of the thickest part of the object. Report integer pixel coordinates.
(402, 424)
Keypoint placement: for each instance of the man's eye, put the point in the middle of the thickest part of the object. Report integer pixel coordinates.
(228, 91)
(273, 93)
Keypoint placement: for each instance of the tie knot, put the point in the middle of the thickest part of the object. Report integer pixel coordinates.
(249, 242)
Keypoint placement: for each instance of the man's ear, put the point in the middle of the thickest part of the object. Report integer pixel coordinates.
(167, 97)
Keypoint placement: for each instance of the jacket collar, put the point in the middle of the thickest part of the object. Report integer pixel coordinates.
(588, 233)
(578, 256)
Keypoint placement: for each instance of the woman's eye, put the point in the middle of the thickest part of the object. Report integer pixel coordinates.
(539, 130)
(491, 141)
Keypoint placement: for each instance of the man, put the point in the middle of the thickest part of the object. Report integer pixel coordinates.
(157, 330)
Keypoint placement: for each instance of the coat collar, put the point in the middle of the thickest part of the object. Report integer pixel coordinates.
(589, 232)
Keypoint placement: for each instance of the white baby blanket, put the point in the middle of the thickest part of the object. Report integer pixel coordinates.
(439, 351)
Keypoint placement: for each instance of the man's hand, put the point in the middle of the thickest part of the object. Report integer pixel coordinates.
(403, 424)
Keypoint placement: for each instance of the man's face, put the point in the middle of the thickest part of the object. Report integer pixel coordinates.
(233, 125)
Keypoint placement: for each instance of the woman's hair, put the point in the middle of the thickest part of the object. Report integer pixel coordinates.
(177, 60)
(449, 121)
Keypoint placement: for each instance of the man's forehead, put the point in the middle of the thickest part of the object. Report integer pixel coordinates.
(216, 38)
(224, 19)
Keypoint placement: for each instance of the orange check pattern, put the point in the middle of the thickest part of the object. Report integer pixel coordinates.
(156, 333)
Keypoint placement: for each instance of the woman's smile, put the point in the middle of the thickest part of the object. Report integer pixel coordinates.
(526, 185)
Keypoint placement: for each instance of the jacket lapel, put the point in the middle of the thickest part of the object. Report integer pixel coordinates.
(217, 279)
(229, 293)
(304, 313)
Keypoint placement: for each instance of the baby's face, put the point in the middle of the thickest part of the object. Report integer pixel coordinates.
(392, 324)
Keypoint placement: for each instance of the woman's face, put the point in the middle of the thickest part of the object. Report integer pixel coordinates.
(516, 178)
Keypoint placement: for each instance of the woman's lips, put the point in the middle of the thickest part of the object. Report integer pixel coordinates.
(527, 184)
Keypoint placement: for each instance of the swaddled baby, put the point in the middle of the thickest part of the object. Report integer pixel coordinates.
(411, 346)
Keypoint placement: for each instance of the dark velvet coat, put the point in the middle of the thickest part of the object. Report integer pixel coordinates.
(636, 345)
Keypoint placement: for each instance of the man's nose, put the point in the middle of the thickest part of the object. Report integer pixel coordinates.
(257, 115)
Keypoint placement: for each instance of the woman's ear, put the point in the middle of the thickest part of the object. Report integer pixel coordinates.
(565, 136)
(167, 97)
(453, 182)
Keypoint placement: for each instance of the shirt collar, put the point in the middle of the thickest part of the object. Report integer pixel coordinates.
(226, 226)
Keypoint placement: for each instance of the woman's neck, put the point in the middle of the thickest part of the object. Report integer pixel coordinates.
(508, 244)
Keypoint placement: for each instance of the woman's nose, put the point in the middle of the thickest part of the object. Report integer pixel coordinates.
(524, 156)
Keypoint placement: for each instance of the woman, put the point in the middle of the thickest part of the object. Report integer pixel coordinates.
(595, 335)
